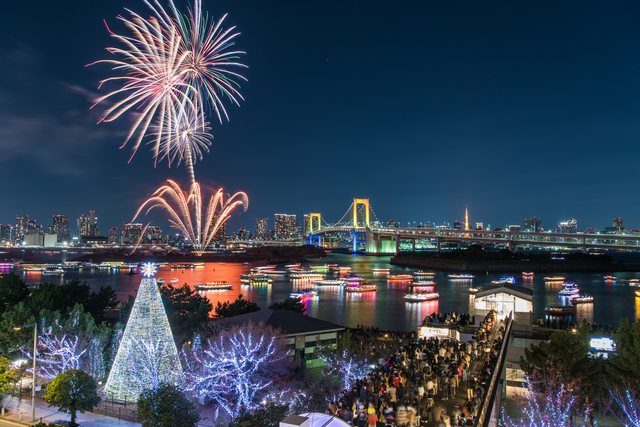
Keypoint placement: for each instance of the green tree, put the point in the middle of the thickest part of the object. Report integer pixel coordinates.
(166, 406)
(624, 363)
(73, 391)
(263, 417)
(293, 304)
(12, 291)
(235, 308)
(567, 354)
(8, 376)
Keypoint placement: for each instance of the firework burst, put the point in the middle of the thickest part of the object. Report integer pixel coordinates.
(171, 65)
(185, 211)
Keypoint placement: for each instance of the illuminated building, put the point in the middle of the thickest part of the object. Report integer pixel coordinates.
(307, 224)
(533, 225)
(285, 226)
(567, 226)
(88, 225)
(131, 233)
(5, 233)
(154, 232)
(113, 235)
(21, 227)
(221, 234)
(515, 228)
(392, 223)
(479, 226)
(262, 229)
(457, 225)
(243, 234)
(618, 225)
(61, 227)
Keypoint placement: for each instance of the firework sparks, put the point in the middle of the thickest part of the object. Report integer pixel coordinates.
(171, 66)
(186, 214)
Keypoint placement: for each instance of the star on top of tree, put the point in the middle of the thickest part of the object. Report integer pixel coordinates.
(149, 269)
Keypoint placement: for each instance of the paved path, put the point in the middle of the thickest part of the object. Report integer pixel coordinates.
(15, 406)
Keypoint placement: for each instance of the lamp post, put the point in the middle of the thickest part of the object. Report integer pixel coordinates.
(35, 347)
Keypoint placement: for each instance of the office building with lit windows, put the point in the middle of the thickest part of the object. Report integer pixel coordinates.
(61, 228)
(285, 226)
(262, 229)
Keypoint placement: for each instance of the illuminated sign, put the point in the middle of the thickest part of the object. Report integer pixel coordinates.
(434, 332)
(603, 344)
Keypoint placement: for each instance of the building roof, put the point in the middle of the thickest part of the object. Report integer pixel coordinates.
(507, 288)
(291, 323)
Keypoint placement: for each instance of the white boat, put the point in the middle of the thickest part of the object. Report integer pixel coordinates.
(582, 299)
(554, 279)
(306, 276)
(381, 270)
(461, 276)
(275, 272)
(353, 279)
(52, 271)
(421, 297)
(425, 273)
(212, 286)
(329, 282)
(175, 280)
(569, 289)
(369, 287)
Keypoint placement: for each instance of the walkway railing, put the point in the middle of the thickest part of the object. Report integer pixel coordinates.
(484, 416)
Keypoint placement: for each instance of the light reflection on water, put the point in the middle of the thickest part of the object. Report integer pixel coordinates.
(384, 308)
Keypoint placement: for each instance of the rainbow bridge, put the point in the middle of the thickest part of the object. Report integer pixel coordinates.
(386, 240)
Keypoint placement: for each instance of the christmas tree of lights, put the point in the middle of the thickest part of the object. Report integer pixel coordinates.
(147, 355)
(349, 368)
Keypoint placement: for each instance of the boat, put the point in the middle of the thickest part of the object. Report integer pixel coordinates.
(53, 271)
(256, 281)
(213, 286)
(473, 290)
(380, 270)
(637, 293)
(335, 266)
(353, 279)
(369, 287)
(425, 273)
(423, 283)
(582, 299)
(399, 277)
(175, 280)
(344, 269)
(296, 265)
(634, 280)
(275, 272)
(569, 289)
(307, 276)
(511, 280)
(609, 278)
(182, 266)
(564, 310)
(305, 294)
(252, 275)
(329, 282)
(527, 274)
(461, 276)
(421, 297)
(201, 264)
(554, 279)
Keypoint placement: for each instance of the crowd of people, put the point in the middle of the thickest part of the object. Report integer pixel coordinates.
(410, 388)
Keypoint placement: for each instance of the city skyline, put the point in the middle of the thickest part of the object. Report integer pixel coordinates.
(515, 111)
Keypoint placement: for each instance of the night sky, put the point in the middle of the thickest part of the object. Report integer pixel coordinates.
(516, 109)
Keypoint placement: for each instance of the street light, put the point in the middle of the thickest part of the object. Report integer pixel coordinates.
(35, 346)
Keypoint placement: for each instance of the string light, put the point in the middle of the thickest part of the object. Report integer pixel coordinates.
(147, 354)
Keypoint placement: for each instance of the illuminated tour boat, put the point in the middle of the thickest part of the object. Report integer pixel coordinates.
(400, 277)
(330, 282)
(369, 287)
(421, 297)
(554, 279)
(353, 279)
(564, 310)
(302, 295)
(214, 286)
(569, 289)
(461, 276)
(257, 281)
(527, 274)
(381, 270)
(425, 273)
(182, 266)
(582, 299)
(510, 280)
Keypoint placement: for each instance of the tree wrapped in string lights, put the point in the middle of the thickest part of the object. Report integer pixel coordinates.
(239, 368)
(75, 343)
(147, 356)
(549, 401)
(348, 368)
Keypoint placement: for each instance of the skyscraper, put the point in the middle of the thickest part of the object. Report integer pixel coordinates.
(5, 233)
(131, 233)
(221, 234)
(88, 225)
(306, 224)
(113, 235)
(262, 229)
(285, 226)
(22, 223)
(533, 225)
(61, 227)
(568, 226)
(618, 225)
